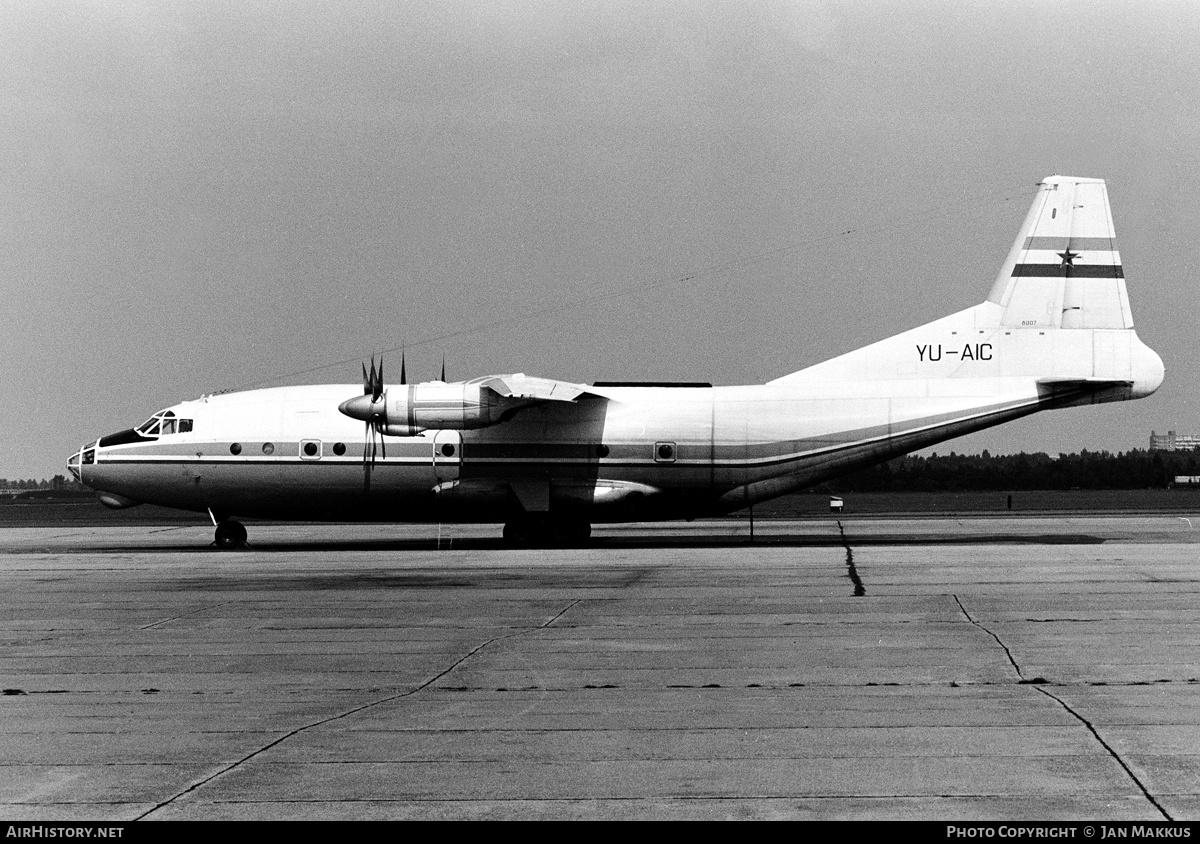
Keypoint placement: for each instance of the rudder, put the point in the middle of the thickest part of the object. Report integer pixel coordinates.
(1064, 270)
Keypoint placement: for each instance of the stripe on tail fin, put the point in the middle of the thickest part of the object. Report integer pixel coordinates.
(1064, 270)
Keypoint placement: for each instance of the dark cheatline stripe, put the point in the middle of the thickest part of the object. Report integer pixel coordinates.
(1065, 271)
(1090, 243)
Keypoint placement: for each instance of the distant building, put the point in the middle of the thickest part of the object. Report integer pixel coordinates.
(1170, 441)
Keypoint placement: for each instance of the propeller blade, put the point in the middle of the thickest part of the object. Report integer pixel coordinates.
(366, 463)
(370, 413)
(403, 376)
(443, 378)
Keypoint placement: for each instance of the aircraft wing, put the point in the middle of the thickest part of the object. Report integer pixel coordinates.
(521, 386)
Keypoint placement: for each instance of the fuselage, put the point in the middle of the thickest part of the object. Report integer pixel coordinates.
(617, 453)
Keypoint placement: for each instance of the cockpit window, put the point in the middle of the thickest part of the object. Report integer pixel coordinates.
(164, 423)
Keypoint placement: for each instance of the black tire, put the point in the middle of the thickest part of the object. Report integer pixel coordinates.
(518, 533)
(540, 531)
(231, 535)
(571, 533)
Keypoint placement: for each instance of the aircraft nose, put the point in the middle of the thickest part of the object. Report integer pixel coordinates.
(74, 462)
(86, 456)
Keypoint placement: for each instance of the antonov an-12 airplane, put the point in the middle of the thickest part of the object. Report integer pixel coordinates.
(550, 458)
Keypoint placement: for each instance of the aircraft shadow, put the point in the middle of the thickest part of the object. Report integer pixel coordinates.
(613, 543)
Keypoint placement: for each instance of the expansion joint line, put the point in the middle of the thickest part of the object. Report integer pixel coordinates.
(999, 641)
(353, 711)
(1108, 748)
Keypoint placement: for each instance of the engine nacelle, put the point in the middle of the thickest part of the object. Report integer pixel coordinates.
(407, 410)
(455, 407)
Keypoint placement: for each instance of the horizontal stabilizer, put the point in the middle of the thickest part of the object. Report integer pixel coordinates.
(1084, 383)
(1085, 389)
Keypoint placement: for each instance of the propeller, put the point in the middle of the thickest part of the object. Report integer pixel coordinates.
(373, 413)
(371, 408)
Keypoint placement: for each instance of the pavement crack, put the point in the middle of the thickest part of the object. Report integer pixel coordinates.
(999, 641)
(1038, 684)
(1108, 748)
(353, 711)
(152, 625)
(851, 571)
(560, 614)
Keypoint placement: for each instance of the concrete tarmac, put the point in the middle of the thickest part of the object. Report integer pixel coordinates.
(869, 668)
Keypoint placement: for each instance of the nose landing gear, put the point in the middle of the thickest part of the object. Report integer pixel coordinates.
(230, 535)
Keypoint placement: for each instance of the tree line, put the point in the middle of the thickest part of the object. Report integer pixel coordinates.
(1137, 469)
(57, 482)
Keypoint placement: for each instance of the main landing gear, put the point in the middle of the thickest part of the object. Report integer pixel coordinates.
(230, 535)
(545, 531)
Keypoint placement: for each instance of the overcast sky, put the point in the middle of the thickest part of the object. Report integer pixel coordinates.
(214, 195)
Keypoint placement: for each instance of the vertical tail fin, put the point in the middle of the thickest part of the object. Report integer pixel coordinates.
(1064, 270)
(1058, 314)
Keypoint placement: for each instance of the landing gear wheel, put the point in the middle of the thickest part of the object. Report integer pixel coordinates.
(518, 533)
(542, 531)
(571, 533)
(230, 535)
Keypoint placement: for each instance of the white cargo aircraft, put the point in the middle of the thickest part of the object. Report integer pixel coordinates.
(550, 458)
